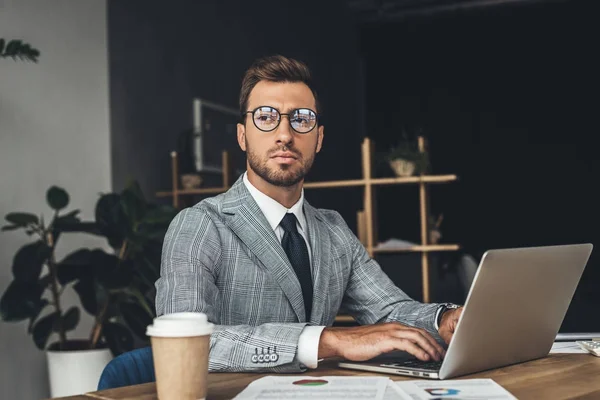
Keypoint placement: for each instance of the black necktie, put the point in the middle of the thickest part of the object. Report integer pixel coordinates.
(295, 247)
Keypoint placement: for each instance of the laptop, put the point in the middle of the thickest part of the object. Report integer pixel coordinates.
(514, 309)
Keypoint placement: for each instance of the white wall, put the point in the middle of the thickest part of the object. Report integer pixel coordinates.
(54, 130)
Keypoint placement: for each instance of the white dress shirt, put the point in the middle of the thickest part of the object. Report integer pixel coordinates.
(308, 343)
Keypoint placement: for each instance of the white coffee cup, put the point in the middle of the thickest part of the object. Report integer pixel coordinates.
(180, 349)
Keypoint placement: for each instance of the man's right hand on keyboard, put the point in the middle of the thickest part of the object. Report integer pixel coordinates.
(365, 342)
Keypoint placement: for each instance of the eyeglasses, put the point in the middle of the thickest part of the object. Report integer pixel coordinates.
(302, 120)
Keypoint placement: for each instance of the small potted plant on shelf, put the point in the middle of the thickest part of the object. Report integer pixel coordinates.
(18, 50)
(405, 159)
(115, 287)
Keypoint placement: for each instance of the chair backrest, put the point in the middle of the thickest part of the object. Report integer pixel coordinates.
(131, 368)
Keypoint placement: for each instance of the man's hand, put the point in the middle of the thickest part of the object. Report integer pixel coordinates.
(448, 323)
(365, 342)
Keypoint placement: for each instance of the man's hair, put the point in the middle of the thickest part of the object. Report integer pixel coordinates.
(275, 69)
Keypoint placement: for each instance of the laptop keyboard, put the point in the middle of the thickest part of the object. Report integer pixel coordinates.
(431, 365)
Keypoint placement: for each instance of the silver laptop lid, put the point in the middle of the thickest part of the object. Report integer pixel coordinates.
(514, 309)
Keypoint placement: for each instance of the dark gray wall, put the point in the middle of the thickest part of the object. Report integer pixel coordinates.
(162, 55)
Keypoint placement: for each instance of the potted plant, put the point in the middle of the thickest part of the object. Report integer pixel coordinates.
(405, 158)
(17, 49)
(115, 287)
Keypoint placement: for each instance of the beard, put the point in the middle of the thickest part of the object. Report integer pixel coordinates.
(282, 175)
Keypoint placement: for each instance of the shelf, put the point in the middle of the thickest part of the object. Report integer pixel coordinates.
(382, 181)
(415, 179)
(330, 184)
(419, 248)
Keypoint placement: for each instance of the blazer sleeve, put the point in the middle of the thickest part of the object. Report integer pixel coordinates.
(371, 296)
(191, 253)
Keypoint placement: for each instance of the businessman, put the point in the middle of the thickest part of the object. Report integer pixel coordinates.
(270, 270)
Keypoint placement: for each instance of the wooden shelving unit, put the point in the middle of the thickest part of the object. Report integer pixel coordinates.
(366, 218)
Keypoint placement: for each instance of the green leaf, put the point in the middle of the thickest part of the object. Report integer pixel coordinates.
(43, 328)
(160, 215)
(10, 227)
(111, 219)
(12, 47)
(136, 318)
(113, 274)
(62, 226)
(110, 272)
(78, 257)
(92, 294)
(45, 281)
(1, 45)
(32, 319)
(133, 187)
(133, 203)
(22, 218)
(102, 295)
(135, 244)
(57, 198)
(66, 219)
(71, 215)
(153, 234)
(118, 338)
(146, 271)
(70, 319)
(87, 295)
(29, 260)
(76, 265)
(112, 308)
(20, 301)
(108, 209)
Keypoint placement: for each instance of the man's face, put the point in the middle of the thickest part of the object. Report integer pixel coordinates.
(281, 157)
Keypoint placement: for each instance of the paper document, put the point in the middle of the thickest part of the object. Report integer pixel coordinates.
(566, 347)
(313, 387)
(393, 392)
(454, 389)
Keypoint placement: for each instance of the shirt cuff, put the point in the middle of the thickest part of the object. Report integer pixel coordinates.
(308, 346)
(437, 316)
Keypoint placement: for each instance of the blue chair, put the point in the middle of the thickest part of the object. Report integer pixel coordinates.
(131, 368)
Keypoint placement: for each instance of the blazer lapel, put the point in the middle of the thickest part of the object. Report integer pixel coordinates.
(247, 221)
(320, 244)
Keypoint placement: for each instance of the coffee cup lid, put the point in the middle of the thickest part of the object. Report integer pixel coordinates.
(181, 324)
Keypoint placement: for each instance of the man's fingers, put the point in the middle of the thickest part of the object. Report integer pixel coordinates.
(419, 338)
(412, 348)
(433, 342)
(427, 336)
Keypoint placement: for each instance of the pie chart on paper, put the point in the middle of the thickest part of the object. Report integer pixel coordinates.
(311, 382)
(442, 391)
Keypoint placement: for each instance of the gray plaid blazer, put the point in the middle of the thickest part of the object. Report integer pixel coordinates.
(222, 258)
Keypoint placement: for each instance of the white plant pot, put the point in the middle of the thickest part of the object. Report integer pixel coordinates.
(403, 167)
(75, 372)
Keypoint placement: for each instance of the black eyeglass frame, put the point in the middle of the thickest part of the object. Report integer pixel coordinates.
(279, 120)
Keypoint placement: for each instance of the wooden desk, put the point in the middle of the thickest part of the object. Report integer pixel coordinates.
(556, 377)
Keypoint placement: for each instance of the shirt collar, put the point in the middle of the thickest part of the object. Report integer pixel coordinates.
(273, 210)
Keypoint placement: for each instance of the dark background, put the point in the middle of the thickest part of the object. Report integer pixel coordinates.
(506, 95)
